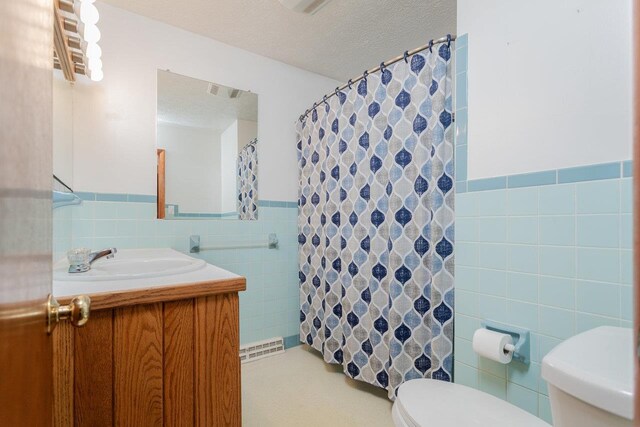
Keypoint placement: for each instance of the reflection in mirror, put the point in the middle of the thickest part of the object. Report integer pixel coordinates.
(207, 150)
(62, 131)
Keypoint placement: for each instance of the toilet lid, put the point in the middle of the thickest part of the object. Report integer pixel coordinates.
(424, 403)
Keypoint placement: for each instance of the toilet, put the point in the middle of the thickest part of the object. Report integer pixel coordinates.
(590, 379)
(426, 403)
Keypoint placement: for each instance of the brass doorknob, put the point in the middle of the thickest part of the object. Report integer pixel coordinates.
(77, 312)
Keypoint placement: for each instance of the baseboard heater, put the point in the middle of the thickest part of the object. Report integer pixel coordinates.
(261, 349)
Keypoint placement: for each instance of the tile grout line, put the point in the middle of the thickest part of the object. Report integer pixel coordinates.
(575, 260)
(475, 223)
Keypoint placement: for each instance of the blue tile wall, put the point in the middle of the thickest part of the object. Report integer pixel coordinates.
(62, 224)
(549, 251)
(270, 305)
(556, 269)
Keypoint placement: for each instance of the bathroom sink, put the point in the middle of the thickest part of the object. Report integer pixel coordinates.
(132, 264)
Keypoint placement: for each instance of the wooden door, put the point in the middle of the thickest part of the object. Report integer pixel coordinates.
(26, 49)
(636, 203)
(161, 183)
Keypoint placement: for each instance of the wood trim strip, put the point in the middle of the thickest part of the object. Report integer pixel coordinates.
(63, 375)
(217, 363)
(137, 343)
(60, 45)
(178, 363)
(93, 371)
(125, 298)
(161, 183)
(226, 345)
(203, 393)
(66, 6)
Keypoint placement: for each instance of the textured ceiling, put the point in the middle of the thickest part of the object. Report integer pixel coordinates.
(340, 41)
(186, 101)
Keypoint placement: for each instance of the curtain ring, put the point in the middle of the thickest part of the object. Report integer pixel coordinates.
(324, 99)
(449, 40)
(349, 83)
(382, 66)
(365, 74)
(406, 55)
(431, 45)
(337, 91)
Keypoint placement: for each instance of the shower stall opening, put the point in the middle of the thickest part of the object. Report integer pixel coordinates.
(376, 221)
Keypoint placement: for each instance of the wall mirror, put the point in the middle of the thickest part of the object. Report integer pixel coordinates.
(62, 132)
(207, 150)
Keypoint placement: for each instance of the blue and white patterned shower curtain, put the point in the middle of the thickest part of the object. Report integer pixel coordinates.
(247, 182)
(376, 224)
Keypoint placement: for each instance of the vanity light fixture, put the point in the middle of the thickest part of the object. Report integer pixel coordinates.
(75, 39)
(87, 12)
(88, 17)
(94, 64)
(91, 50)
(95, 75)
(89, 32)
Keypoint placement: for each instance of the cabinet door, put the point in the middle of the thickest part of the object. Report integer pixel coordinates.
(179, 355)
(137, 365)
(217, 361)
(174, 364)
(93, 371)
(83, 372)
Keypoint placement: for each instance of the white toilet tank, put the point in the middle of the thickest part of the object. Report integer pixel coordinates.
(590, 379)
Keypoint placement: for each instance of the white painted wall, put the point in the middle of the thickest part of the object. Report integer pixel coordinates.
(192, 161)
(62, 128)
(549, 83)
(228, 157)
(115, 119)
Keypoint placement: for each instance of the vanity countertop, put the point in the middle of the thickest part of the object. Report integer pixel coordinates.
(205, 280)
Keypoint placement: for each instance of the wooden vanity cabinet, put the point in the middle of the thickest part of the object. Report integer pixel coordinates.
(159, 362)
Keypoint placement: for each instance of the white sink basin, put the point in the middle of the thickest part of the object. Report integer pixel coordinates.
(136, 269)
(132, 264)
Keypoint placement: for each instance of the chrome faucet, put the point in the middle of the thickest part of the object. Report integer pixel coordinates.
(84, 265)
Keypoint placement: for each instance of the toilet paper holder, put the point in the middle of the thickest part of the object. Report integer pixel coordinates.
(521, 339)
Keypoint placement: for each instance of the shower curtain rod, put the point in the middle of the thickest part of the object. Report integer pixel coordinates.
(252, 142)
(447, 39)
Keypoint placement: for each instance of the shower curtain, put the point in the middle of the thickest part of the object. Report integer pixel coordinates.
(247, 182)
(376, 224)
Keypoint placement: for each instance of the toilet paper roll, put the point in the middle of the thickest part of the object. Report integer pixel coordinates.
(491, 344)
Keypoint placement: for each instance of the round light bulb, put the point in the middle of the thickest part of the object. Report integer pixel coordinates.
(94, 63)
(89, 32)
(91, 50)
(86, 12)
(96, 75)
(89, 13)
